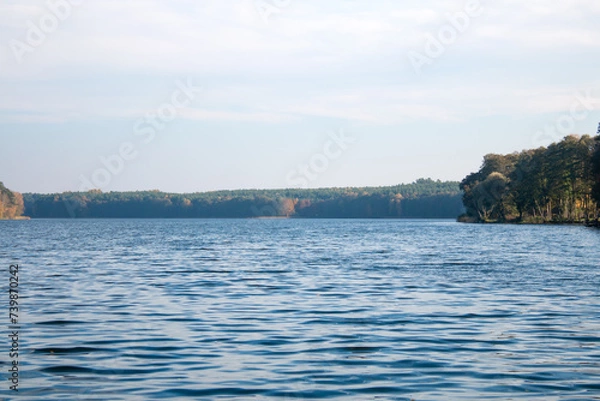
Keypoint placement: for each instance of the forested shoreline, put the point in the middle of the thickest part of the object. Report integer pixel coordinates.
(557, 184)
(424, 198)
(11, 204)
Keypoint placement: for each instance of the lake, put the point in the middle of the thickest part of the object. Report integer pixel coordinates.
(303, 309)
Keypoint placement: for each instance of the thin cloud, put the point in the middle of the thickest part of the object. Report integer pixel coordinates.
(340, 60)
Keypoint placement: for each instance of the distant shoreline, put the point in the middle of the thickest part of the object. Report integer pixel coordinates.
(425, 198)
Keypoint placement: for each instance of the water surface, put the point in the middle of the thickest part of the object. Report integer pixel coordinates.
(305, 309)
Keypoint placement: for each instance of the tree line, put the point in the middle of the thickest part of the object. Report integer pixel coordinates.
(11, 203)
(559, 183)
(424, 198)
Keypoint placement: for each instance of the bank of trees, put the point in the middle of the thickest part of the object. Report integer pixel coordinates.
(596, 170)
(424, 198)
(560, 183)
(11, 203)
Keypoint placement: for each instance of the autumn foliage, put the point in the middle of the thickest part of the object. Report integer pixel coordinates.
(11, 203)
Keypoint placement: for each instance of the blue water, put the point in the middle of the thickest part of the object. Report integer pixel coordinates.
(304, 309)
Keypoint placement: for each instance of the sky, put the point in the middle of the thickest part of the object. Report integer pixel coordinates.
(199, 95)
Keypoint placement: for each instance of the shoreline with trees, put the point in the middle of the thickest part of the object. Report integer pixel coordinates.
(11, 204)
(559, 184)
(424, 198)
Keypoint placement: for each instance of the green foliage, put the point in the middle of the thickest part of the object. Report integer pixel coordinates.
(595, 166)
(551, 184)
(425, 198)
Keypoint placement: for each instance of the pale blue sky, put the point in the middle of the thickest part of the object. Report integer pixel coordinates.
(275, 87)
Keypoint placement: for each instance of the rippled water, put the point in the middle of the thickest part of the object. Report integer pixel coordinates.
(305, 309)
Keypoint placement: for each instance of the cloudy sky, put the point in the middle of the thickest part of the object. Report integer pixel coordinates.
(194, 95)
